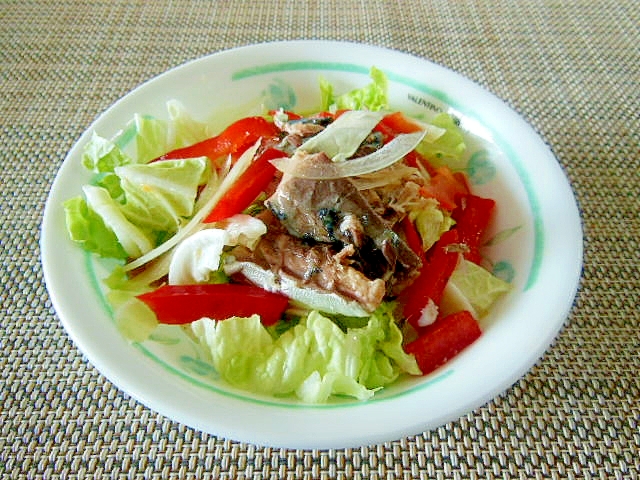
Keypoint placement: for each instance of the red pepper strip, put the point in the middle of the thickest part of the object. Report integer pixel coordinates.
(250, 184)
(181, 304)
(397, 122)
(433, 278)
(387, 133)
(450, 336)
(415, 160)
(472, 219)
(462, 180)
(413, 238)
(394, 124)
(235, 139)
(446, 188)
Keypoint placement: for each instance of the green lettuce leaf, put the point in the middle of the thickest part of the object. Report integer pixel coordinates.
(134, 240)
(372, 96)
(151, 138)
(431, 222)
(136, 207)
(472, 287)
(160, 195)
(155, 137)
(110, 182)
(103, 155)
(184, 130)
(313, 360)
(326, 94)
(130, 205)
(135, 320)
(449, 148)
(384, 358)
(88, 229)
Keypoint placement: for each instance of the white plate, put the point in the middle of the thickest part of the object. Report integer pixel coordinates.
(537, 246)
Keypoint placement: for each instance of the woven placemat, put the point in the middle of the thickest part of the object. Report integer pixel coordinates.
(572, 69)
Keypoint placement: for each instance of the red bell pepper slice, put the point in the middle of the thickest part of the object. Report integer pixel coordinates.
(398, 123)
(234, 140)
(462, 180)
(247, 188)
(395, 124)
(448, 337)
(472, 217)
(181, 304)
(416, 160)
(440, 263)
(445, 187)
(413, 238)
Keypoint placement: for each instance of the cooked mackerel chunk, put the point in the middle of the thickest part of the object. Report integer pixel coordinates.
(334, 211)
(317, 266)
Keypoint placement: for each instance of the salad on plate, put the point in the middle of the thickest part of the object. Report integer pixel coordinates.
(310, 254)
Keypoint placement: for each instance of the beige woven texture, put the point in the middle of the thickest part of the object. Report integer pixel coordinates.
(570, 68)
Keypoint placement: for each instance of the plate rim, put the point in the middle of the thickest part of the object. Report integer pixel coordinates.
(324, 441)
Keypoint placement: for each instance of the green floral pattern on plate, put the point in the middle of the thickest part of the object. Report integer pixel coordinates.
(480, 168)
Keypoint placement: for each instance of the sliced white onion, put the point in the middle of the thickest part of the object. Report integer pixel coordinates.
(343, 136)
(305, 167)
(197, 256)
